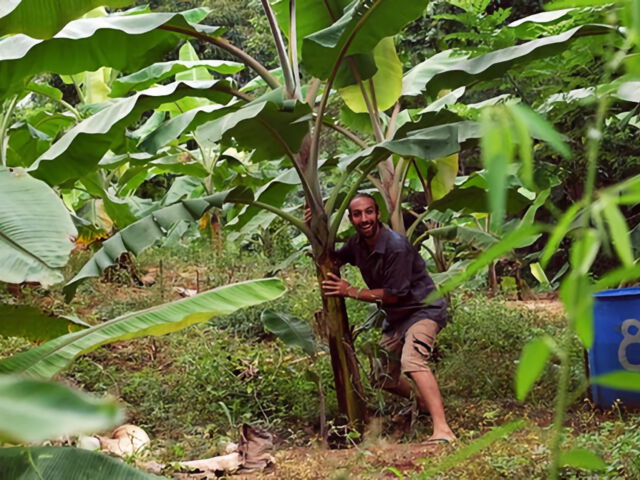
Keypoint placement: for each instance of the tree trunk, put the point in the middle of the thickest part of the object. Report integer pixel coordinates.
(335, 325)
(492, 279)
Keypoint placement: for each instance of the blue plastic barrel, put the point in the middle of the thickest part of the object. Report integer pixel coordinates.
(617, 342)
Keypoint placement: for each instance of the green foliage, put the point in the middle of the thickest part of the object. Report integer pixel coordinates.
(533, 360)
(141, 235)
(339, 45)
(50, 358)
(619, 379)
(481, 347)
(224, 378)
(43, 19)
(582, 458)
(479, 26)
(81, 148)
(29, 322)
(293, 331)
(146, 77)
(36, 410)
(36, 232)
(473, 448)
(267, 124)
(617, 443)
(228, 371)
(67, 53)
(35, 463)
(357, 31)
(385, 85)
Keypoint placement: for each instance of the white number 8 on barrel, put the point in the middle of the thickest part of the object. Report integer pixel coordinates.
(629, 339)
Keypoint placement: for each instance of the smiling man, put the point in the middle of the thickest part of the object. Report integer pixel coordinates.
(398, 280)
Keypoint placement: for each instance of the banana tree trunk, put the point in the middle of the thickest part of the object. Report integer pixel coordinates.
(335, 325)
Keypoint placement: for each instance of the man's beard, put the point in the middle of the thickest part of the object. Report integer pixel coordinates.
(370, 231)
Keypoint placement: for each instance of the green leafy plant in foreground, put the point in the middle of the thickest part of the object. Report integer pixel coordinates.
(35, 410)
(59, 462)
(596, 219)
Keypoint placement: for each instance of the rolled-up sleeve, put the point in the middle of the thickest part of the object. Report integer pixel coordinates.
(397, 273)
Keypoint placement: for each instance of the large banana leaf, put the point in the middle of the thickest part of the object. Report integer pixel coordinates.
(43, 18)
(418, 77)
(440, 174)
(179, 163)
(543, 17)
(363, 24)
(430, 119)
(426, 144)
(625, 91)
(185, 122)
(30, 323)
(270, 126)
(182, 187)
(118, 209)
(25, 144)
(51, 124)
(311, 16)
(531, 26)
(136, 175)
(50, 358)
(38, 463)
(442, 72)
(34, 410)
(36, 231)
(475, 199)
(126, 43)
(629, 92)
(146, 232)
(387, 81)
(81, 148)
(472, 237)
(188, 54)
(293, 331)
(162, 70)
(273, 193)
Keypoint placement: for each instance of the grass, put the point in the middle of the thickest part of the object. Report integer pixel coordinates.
(192, 390)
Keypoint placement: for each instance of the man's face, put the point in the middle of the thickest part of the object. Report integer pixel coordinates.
(364, 217)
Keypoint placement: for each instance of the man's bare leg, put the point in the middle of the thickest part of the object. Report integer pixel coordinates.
(433, 406)
(430, 397)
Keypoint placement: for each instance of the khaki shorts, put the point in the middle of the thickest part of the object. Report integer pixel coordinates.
(409, 352)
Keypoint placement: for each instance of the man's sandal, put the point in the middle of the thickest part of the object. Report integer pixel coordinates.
(436, 441)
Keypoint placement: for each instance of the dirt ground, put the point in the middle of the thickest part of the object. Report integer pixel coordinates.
(374, 461)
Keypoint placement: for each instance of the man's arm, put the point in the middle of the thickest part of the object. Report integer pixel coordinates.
(336, 286)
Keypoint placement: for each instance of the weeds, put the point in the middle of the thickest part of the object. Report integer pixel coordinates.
(481, 346)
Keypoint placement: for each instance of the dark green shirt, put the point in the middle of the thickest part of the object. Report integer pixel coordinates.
(395, 266)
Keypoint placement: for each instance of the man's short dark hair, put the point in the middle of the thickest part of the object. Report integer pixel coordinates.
(364, 195)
